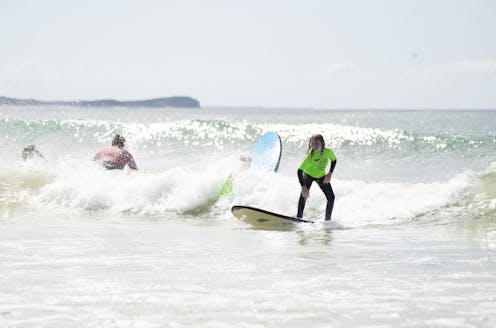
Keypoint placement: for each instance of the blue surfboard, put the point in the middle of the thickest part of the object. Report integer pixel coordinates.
(267, 152)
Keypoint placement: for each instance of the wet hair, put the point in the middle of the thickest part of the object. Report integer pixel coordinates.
(29, 151)
(317, 137)
(118, 141)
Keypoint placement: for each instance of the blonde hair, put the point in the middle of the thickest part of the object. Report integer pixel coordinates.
(318, 137)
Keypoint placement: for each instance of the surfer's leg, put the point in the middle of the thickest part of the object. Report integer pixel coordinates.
(329, 193)
(301, 203)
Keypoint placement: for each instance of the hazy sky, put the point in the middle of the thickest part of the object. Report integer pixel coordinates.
(322, 54)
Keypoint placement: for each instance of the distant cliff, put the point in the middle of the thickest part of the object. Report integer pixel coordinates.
(186, 102)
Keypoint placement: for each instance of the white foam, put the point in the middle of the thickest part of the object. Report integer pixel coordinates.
(93, 188)
(214, 132)
(491, 168)
(362, 203)
(192, 187)
(357, 203)
(82, 185)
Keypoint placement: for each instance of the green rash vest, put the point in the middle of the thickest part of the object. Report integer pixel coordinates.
(316, 162)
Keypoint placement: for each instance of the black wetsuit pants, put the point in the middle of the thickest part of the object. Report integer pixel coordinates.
(326, 188)
(111, 166)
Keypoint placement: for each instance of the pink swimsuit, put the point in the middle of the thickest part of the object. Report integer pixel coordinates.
(115, 156)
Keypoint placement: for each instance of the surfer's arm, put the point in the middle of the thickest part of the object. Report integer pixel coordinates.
(130, 162)
(333, 165)
(333, 159)
(39, 154)
(302, 166)
(328, 176)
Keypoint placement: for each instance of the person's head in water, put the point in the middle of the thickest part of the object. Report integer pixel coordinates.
(29, 151)
(316, 143)
(118, 141)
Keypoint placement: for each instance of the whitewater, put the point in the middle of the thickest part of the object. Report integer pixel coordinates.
(411, 244)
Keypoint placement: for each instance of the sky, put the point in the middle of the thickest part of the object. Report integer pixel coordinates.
(393, 54)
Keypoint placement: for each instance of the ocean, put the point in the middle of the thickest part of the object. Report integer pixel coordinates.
(412, 242)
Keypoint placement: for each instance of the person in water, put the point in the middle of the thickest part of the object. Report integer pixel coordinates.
(115, 156)
(29, 151)
(313, 169)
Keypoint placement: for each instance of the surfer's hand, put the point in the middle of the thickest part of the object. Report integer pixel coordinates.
(327, 177)
(304, 192)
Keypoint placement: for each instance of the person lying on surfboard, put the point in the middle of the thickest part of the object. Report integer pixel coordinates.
(313, 169)
(115, 156)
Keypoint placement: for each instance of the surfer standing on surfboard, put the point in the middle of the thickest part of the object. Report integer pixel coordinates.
(313, 169)
(115, 156)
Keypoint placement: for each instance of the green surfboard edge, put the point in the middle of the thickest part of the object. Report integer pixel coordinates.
(227, 187)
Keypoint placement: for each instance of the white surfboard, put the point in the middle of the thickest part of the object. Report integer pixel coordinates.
(262, 219)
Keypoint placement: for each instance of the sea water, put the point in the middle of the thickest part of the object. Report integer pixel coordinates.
(412, 242)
